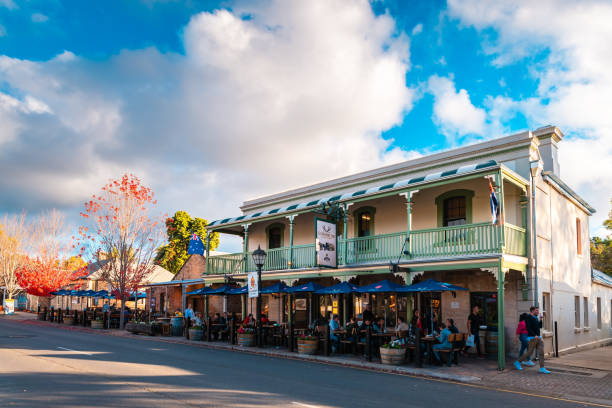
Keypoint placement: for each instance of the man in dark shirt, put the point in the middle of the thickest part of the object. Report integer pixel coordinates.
(473, 327)
(367, 313)
(533, 325)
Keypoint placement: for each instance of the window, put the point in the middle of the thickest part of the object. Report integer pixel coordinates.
(599, 313)
(578, 237)
(546, 311)
(454, 208)
(577, 311)
(364, 222)
(275, 233)
(454, 211)
(586, 311)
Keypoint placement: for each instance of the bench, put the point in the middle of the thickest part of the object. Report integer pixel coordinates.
(457, 341)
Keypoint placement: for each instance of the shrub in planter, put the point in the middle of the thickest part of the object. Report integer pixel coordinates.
(69, 321)
(246, 336)
(393, 353)
(196, 333)
(307, 344)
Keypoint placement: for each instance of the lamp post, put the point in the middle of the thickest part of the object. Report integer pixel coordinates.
(259, 258)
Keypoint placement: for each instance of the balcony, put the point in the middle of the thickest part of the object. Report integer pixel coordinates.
(426, 244)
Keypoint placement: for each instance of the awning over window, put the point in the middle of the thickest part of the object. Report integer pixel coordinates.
(357, 194)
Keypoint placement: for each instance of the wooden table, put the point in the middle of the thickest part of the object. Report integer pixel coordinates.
(429, 342)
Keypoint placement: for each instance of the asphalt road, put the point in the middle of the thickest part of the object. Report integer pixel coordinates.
(48, 367)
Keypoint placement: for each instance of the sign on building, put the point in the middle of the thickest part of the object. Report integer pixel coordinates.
(9, 306)
(326, 243)
(253, 285)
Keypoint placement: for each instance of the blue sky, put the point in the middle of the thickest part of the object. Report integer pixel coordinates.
(169, 90)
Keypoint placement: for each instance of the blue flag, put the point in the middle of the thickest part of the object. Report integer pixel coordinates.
(494, 206)
(195, 246)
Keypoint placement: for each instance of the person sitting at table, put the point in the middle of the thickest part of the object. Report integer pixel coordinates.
(452, 327)
(334, 324)
(178, 313)
(379, 325)
(442, 339)
(401, 325)
(197, 320)
(367, 324)
(249, 321)
(217, 325)
(351, 328)
(264, 319)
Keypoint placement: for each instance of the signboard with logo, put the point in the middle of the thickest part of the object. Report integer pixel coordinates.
(253, 285)
(9, 306)
(326, 243)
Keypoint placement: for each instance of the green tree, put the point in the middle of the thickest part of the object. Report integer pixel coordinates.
(179, 229)
(601, 249)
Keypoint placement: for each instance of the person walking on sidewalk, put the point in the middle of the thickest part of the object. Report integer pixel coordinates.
(473, 327)
(521, 336)
(533, 325)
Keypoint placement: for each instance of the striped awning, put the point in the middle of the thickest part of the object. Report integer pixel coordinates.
(347, 196)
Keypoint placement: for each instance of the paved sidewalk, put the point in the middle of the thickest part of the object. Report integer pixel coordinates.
(566, 381)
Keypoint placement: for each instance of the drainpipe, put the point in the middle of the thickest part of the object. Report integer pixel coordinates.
(535, 168)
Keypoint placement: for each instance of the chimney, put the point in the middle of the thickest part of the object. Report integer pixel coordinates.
(549, 137)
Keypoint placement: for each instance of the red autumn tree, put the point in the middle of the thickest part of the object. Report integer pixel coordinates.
(121, 234)
(43, 271)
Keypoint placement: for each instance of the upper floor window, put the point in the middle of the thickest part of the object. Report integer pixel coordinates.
(454, 208)
(364, 222)
(578, 237)
(275, 235)
(454, 211)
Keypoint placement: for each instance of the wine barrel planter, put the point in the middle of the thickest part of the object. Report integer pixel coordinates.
(307, 346)
(196, 334)
(491, 345)
(69, 321)
(246, 340)
(132, 327)
(392, 356)
(97, 324)
(177, 324)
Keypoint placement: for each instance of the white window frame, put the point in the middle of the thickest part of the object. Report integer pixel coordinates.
(577, 312)
(599, 313)
(545, 311)
(585, 304)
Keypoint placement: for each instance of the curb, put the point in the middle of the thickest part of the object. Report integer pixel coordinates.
(362, 365)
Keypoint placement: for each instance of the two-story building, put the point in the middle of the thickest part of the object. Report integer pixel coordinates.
(432, 216)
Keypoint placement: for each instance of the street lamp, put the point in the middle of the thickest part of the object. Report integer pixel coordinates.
(259, 258)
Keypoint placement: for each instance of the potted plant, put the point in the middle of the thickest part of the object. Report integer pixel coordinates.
(246, 336)
(393, 353)
(307, 344)
(196, 333)
(97, 324)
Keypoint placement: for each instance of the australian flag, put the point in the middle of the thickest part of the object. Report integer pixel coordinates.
(195, 246)
(494, 205)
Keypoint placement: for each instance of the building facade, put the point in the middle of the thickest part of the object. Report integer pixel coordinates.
(432, 218)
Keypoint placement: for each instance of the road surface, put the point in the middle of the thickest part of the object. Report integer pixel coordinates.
(47, 366)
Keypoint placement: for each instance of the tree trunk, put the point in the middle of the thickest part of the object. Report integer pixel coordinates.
(121, 318)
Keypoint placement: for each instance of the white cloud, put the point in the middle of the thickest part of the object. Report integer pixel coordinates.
(453, 112)
(418, 29)
(2, 31)
(574, 79)
(297, 94)
(39, 18)
(9, 4)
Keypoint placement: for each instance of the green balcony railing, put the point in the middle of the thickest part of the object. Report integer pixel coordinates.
(456, 241)
(516, 240)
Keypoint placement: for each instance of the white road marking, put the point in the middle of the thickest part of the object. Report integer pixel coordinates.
(76, 351)
(305, 405)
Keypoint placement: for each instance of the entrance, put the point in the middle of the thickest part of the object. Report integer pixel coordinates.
(487, 304)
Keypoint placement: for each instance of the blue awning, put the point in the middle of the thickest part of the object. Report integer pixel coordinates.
(431, 285)
(308, 287)
(101, 293)
(201, 291)
(348, 196)
(279, 287)
(342, 287)
(380, 287)
(239, 291)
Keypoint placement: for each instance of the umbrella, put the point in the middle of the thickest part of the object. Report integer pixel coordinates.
(380, 287)
(307, 287)
(89, 293)
(279, 287)
(222, 290)
(101, 293)
(342, 287)
(63, 292)
(431, 285)
(239, 291)
(201, 291)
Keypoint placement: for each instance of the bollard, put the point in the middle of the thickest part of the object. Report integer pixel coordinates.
(208, 329)
(556, 341)
(419, 362)
(233, 330)
(369, 341)
(327, 340)
(187, 324)
(60, 318)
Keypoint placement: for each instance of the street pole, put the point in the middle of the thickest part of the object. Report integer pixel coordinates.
(259, 340)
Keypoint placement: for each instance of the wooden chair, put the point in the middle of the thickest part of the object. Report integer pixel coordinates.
(349, 341)
(456, 340)
(324, 341)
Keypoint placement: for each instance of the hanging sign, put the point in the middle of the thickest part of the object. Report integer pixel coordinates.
(253, 285)
(326, 243)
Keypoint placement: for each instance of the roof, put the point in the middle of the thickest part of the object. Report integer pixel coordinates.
(157, 274)
(567, 191)
(360, 193)
(176, 282)
(601, 277)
